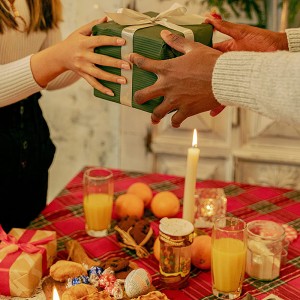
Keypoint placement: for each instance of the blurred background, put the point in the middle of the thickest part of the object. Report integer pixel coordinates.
(236, 145)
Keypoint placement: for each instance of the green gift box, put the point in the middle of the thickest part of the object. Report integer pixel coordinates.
(146, 42)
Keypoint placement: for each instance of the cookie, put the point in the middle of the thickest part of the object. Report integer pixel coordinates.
(124, 224)
(139, 231)
(116, 263)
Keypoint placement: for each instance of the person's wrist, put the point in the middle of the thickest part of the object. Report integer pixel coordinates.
(282, 41)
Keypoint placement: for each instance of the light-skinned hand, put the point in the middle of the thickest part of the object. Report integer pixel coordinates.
(76, 53)
(184, 82)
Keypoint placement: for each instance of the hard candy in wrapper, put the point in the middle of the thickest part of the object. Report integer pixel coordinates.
(137, 282)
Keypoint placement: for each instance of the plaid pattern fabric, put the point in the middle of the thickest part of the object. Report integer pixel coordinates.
(65, 215)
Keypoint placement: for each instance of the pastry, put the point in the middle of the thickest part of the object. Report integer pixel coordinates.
(63, 269)
(154, 295)
(81, 291)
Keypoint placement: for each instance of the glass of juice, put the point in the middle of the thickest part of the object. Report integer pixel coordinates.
(228, 257)
(98, 192)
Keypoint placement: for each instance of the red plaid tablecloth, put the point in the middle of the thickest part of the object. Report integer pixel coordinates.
(65, 215)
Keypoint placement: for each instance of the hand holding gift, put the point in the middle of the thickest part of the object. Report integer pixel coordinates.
(142, 35)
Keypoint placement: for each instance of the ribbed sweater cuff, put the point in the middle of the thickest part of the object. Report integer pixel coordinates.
(231, 79)
(18, 82)
(293, 36)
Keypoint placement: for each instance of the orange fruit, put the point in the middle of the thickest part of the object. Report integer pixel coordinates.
(156, 248)
(201, 252)
(129, 205)
(141, 190)
(165, 204)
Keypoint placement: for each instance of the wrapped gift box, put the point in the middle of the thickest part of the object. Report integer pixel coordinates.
(25, 256)
(147, 42)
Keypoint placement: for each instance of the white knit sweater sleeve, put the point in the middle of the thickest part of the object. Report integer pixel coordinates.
(293, 36)
(266, 83)
(17, 81)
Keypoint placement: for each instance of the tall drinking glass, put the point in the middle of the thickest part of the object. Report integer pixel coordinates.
(98, 188)
(228, 257)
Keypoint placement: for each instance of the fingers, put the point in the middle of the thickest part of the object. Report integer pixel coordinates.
(161, 111)
(103, 40)
(231, 29)
(146, 64)
(214, 112)
(103, 75)
(178, 118)
(96, 84)
(147, 94)
(177, 42)
(104, 60)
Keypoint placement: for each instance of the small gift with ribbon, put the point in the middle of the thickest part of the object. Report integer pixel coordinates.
(25, 256)
(142, 35)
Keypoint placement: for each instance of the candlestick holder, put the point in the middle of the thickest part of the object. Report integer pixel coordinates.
(210, 204)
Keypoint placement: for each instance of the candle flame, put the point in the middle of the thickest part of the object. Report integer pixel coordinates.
(194, 144)
(55, 294)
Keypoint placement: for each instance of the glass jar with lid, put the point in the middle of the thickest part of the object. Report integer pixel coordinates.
(176, 236)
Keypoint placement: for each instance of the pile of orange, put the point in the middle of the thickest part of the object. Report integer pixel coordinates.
(140, 196)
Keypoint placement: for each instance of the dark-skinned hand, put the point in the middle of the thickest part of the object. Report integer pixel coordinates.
(184, 82)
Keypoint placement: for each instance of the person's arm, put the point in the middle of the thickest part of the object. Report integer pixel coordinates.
(266, 83)
(49, 67)
(203, 78)
(76, 53)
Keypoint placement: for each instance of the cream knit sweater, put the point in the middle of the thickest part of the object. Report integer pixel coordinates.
(16, 48)
(266, 83)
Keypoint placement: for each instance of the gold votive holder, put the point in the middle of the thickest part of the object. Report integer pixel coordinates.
(210, 204)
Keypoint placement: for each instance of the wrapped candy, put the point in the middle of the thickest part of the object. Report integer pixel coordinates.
(77, 280)
(105, 280)
(94, 273)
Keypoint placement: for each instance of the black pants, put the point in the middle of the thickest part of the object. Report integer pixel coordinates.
(26, 153)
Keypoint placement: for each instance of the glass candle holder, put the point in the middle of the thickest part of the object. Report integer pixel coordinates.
(264, 248)
(176, 236)
(211, 204)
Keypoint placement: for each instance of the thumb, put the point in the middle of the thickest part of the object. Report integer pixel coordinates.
(177, 42)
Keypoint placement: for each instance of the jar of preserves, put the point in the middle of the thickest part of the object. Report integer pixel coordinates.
(176, 236)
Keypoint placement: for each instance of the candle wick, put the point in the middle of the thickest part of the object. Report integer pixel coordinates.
(195, 146)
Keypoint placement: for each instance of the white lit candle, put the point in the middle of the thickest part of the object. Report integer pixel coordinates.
(190, 181)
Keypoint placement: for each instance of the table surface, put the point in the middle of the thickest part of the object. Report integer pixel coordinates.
(65, 215)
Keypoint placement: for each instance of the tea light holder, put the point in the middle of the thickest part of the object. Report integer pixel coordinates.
(210, 204)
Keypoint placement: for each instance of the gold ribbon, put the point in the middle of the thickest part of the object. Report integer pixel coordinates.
(171, 18)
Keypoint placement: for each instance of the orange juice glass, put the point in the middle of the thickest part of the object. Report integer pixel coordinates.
(228, 257)
(98, 195)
